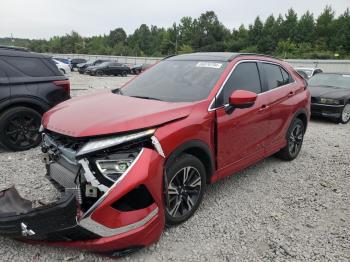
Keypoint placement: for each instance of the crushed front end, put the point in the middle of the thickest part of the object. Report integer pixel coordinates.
(111, 194)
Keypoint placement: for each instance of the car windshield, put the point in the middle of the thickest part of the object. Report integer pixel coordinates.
(176, 81)
(306, 71)
(333, 80)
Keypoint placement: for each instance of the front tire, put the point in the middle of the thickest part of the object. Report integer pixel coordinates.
(99, 73)
(295, 138)
(185, 183)
(62, 71)
(345, 115)
(19, 128)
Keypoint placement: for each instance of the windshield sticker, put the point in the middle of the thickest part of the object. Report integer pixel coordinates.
(209, 64)
(345, 75)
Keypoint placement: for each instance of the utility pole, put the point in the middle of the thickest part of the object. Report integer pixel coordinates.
(176, 42)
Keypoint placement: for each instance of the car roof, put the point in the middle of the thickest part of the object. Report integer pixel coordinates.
(20, 53)
(211, 56)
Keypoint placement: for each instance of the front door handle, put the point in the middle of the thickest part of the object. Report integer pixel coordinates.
(264, 107)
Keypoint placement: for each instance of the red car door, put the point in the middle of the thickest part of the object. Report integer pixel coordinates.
(241, 136)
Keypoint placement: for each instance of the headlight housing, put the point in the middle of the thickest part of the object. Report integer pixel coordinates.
(330, 101)
(104, 143)
(113, 169)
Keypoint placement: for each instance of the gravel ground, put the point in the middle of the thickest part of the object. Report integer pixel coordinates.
(272, 211)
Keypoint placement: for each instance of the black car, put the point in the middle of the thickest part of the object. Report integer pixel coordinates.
(108, 68)
(75, 61)
(136, 69)
(82, 67)
(330, 96)
(30, 84)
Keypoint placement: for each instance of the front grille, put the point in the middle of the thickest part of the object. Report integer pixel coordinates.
(314, 100)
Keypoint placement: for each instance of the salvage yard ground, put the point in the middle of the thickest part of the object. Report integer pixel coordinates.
(273, 211)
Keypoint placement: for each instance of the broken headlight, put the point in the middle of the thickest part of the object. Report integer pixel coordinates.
(104, 143)
(113, 169)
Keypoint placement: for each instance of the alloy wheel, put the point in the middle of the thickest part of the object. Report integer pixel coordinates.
(183, 192)
(22, 131)
(296, 139)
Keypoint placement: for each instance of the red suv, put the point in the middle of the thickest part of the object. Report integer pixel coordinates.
(135, 159)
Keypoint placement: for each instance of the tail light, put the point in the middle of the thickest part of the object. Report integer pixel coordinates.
(65, 84)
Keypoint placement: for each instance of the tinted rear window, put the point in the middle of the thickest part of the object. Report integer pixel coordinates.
(30, 66)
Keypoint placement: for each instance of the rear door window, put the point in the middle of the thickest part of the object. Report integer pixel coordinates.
(273, 76)
(244, 77)
(29, 66)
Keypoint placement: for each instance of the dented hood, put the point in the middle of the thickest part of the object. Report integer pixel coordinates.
(108, 113)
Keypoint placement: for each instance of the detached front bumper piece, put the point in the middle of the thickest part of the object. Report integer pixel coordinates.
(54, 222)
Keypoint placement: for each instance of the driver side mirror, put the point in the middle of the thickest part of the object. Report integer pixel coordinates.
(241, 99)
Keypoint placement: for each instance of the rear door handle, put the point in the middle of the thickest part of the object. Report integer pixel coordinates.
(291, 93)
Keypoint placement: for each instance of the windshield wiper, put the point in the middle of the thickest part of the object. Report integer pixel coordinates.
(147, 97)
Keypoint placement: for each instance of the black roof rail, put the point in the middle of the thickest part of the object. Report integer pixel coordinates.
(257, 54)
(14, 48)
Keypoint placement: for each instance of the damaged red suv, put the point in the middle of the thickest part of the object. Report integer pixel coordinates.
(130, 161)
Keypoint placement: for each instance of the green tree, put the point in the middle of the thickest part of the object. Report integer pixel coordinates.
(325, 26)
(306, 29)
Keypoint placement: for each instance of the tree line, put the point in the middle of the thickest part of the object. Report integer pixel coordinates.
(286, 36)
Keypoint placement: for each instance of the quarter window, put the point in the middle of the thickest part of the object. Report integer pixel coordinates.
(244, 77)
(273, 76)
(286, 77)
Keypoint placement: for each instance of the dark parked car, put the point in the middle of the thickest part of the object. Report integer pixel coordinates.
(82, 67)
(330, 96)
(75, 61)
(136, 69)
(108, 68)
(30, 84)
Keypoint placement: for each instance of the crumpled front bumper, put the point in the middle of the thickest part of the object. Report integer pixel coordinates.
(103, 228)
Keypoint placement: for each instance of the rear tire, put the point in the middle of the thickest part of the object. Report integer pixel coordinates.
(63, 71)
(185, 183)
(99, 73)
(345, 115)
(19, 128)
(124, 73)
(295, 138)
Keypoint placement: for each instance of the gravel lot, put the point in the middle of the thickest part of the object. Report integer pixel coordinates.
(273, 211)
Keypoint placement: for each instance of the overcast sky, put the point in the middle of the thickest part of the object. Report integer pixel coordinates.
(46, 18)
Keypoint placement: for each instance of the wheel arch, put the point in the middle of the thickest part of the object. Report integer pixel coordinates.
(302, 115)
(198, 149)
(35, 104)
